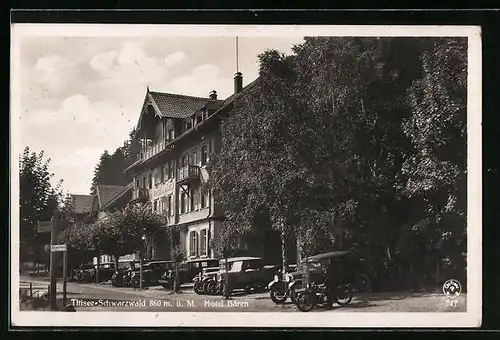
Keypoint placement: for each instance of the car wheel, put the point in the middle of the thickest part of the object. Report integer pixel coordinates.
(305, 302)
(344, 297)
(363, 282)
(278, 294)
(210, 288)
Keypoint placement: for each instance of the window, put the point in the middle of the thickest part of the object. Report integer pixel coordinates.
(155, 206)
(183, 161)
(150, 181)
(183, 203)
(203, 242)
(205, 114)
(194, 158)
(171, 134)
(144, 183)
(169, 205)
(193, 243)
(169, 170)
(138, 183)
(159, 174)
(194, 201)
(165, 171)
(204, 199)
(199, 118)
(204, 154)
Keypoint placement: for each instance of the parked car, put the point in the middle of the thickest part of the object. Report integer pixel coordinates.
(354, 270)
(121, 278)
(205, 280)
(86, 273)
(188, 270)
(159, 268)
(244, 273)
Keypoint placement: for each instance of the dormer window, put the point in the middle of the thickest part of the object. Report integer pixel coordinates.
(205, 114)
(198, 118)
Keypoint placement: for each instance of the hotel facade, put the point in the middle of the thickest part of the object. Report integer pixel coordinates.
(178, 136)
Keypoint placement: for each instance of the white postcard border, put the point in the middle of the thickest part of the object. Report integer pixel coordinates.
(471, 318)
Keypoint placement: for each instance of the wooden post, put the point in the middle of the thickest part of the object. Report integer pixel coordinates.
(53, 264)
(65, 275)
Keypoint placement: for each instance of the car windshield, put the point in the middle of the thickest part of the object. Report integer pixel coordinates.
(222, 265)
(237, 266)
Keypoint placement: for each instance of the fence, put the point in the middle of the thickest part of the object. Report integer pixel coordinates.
(29, 289)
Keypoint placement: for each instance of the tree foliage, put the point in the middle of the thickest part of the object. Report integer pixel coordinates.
(38, 201)
(110, 168)
(351, 142)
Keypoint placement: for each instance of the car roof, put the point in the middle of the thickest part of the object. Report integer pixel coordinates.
(153, 262)
(201, 260)
(323, 256)
(242, 258)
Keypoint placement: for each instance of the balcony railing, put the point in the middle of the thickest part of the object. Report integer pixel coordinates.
(140, 195)
(155, 149)
(188, 173)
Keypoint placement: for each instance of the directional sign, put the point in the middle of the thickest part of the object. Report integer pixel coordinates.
(58, 247)
(45, 227)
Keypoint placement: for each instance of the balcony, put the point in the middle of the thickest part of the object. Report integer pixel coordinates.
(155, 149)
(188, 173)
(140, 195)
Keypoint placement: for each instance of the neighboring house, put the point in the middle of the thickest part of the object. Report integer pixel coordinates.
(82, 207)
(107, 199)
(179, 134)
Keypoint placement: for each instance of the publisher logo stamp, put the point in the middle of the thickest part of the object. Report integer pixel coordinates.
(452, 289)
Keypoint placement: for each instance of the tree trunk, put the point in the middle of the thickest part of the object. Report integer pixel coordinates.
(141, 269)
(177, 287)
(115, 261)
(284, 253)
(97, 268)
(226, 278)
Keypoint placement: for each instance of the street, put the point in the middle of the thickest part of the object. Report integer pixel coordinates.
(104, 297)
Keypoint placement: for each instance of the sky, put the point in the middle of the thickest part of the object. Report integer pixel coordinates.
(83, 95)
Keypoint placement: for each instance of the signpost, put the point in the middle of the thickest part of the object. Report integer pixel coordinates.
(45, 227)
(57, 248)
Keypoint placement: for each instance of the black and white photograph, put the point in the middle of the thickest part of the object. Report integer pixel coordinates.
(246, 176)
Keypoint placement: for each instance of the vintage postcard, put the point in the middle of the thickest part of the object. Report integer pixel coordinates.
(246, 176)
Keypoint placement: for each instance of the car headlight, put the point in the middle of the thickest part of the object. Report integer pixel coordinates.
(288, 278)
(219, 277)
(276, 278)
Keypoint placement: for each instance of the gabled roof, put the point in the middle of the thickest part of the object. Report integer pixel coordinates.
(82, 203)
(177, 105)
(125, 190)
(106, 193)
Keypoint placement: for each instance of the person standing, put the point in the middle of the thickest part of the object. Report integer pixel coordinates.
(333, 274)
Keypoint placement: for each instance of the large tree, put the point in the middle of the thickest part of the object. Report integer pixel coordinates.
(38, 200)
(437, 171)
(328, 142)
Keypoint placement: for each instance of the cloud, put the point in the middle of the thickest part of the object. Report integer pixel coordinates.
(131, 65)
(200, 81)
(174, 58)
(54, 73)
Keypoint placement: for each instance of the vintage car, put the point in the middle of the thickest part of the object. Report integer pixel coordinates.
(205, 280)
(121, 278)
(86, 273)
(244, 273)
(354, 272)
(187, 271)
(149, 276)
(159, 268)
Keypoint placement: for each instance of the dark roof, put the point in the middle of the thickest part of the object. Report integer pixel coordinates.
(179, 106)
(82, 203)
(105, 193)
(125, 190)
(323, 256)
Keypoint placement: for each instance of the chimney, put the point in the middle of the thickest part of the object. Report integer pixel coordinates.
(238, 82)
(213, 94)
